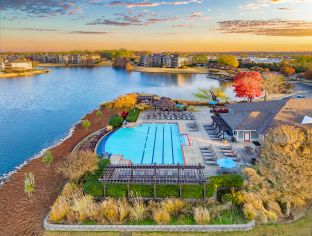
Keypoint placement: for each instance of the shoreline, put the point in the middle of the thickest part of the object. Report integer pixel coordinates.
(195, 70)
(24, 215)
(23, 74)
(101, 64)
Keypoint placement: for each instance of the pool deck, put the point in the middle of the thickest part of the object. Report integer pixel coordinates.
(199, 138)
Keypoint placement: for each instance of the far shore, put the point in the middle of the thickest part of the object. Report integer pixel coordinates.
(101, 64)
(194, 70)
(22, 74)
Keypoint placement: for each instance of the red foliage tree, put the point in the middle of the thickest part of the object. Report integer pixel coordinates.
(248, 85)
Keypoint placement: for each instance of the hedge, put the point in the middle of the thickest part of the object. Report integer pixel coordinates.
(133, 115)
(116, 121)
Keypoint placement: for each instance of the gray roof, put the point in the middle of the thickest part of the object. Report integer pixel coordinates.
(252, 116)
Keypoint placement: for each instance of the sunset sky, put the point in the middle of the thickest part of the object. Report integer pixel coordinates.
(156, 25)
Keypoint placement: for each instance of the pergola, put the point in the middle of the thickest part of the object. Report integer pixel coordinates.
(218, 121)
(153, 175)
(165, 104)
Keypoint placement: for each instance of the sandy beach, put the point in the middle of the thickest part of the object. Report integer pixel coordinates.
(22, 74)
(21, 215)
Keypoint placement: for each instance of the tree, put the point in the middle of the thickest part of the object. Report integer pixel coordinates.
(99, 113)
(129, 67)
(287, 70)
(248, 85)
(29, 184)
(275, 84)
(47, 158)
(228, 60)
(199, 58)
(78, 164)
(286, 164)
(86, 124)
(212, 93)
(127, 101)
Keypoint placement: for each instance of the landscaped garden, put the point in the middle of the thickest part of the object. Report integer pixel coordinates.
(82, 202)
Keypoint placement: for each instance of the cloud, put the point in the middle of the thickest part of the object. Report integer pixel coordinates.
(147, 3)
(32, 29)
(122, 19)
(42, 8)
(88, 32)
(258, 4)
(267, 27)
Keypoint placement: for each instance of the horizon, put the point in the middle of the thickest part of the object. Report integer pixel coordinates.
(154, 25)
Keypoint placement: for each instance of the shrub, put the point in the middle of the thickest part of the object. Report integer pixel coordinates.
(129, 67)
(85, 208)
(92, 185)
(138, 210)
(78, 164)
(115, 211)
(99, 114)
(116, 190)
(125, 101)
(229, 180)
(29, 184)
(201, 215)
(173, 206)
(161, 216)
(133, 115)
(167, 190)
(71, 189)
(116, 121)
(192, 191)
(60, 209)
(47, 158)
(85, 124)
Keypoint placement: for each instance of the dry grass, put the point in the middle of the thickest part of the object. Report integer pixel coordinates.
(138, 210)
(173, 206)
(201, 215)
(115, 211)
(60, 209)
(84, 208)
(161, 216)
(77, 164)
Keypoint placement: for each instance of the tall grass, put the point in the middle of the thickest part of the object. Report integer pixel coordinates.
(115, 211)
(201, 215)
(161, 216)
(60, 209)
(173, 206)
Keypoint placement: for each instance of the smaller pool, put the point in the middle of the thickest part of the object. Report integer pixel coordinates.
(146, 144)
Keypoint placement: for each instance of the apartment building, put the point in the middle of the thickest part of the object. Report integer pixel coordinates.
(163, 60)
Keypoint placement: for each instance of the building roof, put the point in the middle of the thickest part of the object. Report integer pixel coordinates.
(165, 102)
(252, 116)
(293, 112)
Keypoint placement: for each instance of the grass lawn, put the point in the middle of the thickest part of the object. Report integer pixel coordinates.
(302, 227)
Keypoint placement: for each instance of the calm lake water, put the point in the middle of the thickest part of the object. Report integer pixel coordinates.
(36, 112)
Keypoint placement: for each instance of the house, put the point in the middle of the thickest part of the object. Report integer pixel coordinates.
(18, 65)
(249, 122)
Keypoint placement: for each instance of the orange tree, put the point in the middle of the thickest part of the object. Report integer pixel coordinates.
(287, 70)
(248, 85)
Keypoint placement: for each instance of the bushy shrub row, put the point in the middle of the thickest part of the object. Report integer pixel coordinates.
(74, 207)
(116, 121)
(133, 115)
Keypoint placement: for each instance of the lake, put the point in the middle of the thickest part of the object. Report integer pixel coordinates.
(36, 112)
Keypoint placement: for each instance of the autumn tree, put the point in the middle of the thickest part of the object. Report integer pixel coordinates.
(275, 84)
(287, 70)
(215, 94)
(228, 60)
(129, 67)
(248, 85)
(286, 164)
(127, 101)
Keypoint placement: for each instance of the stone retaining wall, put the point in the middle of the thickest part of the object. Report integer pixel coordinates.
(149, 228)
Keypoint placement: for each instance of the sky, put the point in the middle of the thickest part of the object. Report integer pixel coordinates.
(156, 25)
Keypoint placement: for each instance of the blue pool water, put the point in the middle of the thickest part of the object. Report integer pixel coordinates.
(146, 144)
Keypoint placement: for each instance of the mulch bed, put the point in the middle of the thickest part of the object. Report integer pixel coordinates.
(21, 215)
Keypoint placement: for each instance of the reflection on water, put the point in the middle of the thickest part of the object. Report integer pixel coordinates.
(37, 111)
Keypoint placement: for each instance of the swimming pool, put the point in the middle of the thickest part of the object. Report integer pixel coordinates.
(146, 144)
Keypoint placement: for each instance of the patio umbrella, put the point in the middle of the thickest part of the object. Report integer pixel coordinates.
(212, 102)
(306, 120)
(226, 163)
